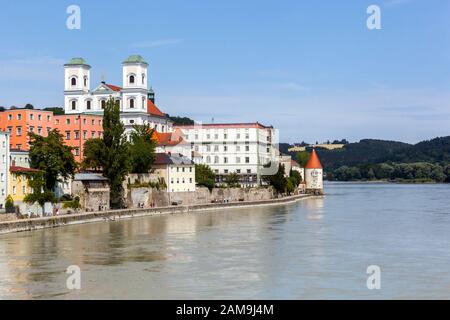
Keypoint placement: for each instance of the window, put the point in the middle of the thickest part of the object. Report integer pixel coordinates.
(73, 81)
(238, 160)
(93, 122)
(208, 136)
(190, 180)
(84, 121)
(143, 78)
(19, 131)
(77, 151)
(19, 117)
(39, 117)
(31, 129)
(131, 103)
(39, 131)
(238, 171)
(57, 121)
(131, 121)
(225, 148)
(143, 102)
(208, 159)
(216, 148)
(238, 136)
(247, 160)
(131, 79)
(14, 189)
(31, 116)
(190, 169)
(103, 104)
(88, 104)
(225, 160)
(19, 146)
(225, 136)
(247, 148)
(48, 130)
(9, 116)
(249, 170)
(48, 118)
(77, 135)
(216, 159)
(74, 105)
(67, 121)
(85, 81)
(67, 135)
(92, 134)
(24, 190)
(238, 148)
(225, 171)
(208, 148)
(216, 136)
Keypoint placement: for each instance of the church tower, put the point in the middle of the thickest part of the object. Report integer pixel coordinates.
(314, 175)
(77, 77)
(134, 80)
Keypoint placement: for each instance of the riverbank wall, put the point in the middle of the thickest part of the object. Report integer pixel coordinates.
(116, 215)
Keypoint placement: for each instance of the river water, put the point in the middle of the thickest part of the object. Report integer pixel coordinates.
(313, 249)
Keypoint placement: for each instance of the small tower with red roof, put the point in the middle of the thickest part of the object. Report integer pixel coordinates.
(314, 174)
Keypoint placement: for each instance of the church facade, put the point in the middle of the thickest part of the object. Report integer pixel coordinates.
(137, 101)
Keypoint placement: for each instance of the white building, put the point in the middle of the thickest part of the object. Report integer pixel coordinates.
(247, 149)
(4, 168)
(177, 171)
(136, 100)
(20, 158)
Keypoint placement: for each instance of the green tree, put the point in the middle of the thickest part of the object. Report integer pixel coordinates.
(142, 149)
(94, 154)
(9, 203)
(278, 181)
(29, 106)
(116, 162)
(232, 180)
(204, 176)
(296, 177)
(51, 156)
(290, 185)
(303, 157)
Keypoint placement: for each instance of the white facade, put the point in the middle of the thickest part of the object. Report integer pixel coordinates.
(133, 96)
(4, 168)
(177, 171)
(19, 158)
(314, 179)
(241, 148)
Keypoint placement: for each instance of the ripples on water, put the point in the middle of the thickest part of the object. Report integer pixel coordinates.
(317, 248)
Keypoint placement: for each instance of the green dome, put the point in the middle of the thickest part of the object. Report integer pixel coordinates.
(76, 61)
(135, 59)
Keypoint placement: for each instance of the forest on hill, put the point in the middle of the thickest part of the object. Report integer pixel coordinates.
(370, 159)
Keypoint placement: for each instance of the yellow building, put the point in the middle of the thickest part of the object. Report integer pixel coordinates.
(177, 171)
(18, 182)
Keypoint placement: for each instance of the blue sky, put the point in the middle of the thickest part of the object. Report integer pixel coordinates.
(310, 68)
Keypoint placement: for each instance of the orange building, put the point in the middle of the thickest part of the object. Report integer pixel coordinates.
(76, 129)
(19, 122)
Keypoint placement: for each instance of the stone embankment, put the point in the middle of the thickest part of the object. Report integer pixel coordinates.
(114, 215)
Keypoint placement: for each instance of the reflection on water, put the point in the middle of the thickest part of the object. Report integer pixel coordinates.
(317, 248)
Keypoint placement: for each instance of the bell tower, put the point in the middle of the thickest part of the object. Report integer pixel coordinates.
(134, 73)
(77, 75)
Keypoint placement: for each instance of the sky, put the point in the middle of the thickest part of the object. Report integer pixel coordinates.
(312, 69)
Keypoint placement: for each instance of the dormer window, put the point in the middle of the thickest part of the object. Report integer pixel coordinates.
(131, 79)
(73, 81)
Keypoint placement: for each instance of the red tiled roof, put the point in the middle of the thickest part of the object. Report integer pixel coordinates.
(294, 163)
(22, 169)
(152, 109)
(313, 162)
(113, 87)
(167, 138)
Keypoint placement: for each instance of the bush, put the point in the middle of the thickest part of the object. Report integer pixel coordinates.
(74, 204)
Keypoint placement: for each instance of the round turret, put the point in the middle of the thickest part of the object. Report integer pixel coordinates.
(314, 174)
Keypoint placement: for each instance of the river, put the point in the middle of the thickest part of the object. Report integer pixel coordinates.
(312, 249)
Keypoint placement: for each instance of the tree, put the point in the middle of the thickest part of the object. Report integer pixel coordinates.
(278, 181)
(40, 194)
(296, 177)
(56, 110)
(116, 162)
(303, 157)
(29, 106)
(51, 156)
(290, 185)
(204, 176)
(94, 154)
(9, 204)
(232, 180)
(142, 149)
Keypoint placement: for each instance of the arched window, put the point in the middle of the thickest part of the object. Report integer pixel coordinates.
(143, 103)
(103, 103)
(74, 105)
(131, 103)
(132, 79)
(73, 81)
(85, 81)
(88, 104)
(143, 78)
